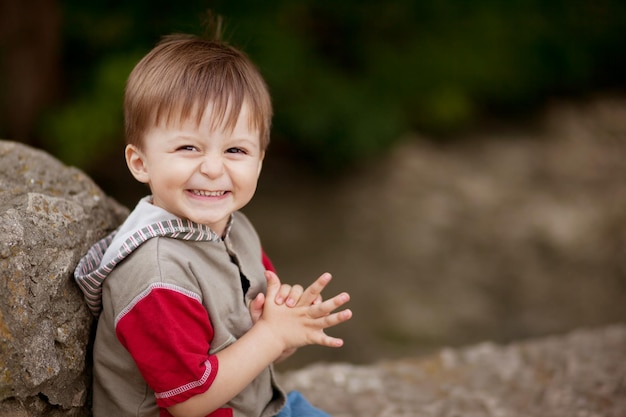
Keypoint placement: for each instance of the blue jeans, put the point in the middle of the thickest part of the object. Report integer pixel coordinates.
(298, 406)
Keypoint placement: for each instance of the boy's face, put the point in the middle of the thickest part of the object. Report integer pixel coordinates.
(197, 173)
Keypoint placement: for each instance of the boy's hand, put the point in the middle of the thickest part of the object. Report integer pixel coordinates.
(256, 309)
(296, 296)
(292, 296)
(289, 295)
(304, 323)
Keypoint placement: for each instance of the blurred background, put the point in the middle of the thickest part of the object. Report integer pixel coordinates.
(458, 166)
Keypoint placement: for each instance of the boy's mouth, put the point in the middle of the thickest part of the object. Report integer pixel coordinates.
(203, 193)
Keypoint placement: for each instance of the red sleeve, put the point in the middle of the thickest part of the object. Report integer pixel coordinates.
(267, 262)
(168, 333)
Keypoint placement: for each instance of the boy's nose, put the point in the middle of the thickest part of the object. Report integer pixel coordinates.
(212, 166)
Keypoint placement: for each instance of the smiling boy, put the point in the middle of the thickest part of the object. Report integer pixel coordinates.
(189, 319)
(197, 172)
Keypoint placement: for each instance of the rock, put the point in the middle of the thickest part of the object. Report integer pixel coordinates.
(580, 374)
(49, 216)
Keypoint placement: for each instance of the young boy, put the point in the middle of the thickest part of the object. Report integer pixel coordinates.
(191, 315)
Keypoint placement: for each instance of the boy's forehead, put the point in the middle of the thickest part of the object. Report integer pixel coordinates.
(215, 115)
(210, 118)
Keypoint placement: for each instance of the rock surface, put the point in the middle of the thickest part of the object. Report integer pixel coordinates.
(581, 374)
(49, 215)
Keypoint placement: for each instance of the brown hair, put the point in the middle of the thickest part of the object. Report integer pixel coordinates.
(182, 75)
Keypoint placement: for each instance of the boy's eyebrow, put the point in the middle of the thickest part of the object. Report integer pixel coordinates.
(253, 140)
(184, 136)
(178, 137)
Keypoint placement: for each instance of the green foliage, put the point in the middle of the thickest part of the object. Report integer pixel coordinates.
(349, 78)
(91, 124)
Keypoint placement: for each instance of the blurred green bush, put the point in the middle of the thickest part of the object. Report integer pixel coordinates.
(349, 78)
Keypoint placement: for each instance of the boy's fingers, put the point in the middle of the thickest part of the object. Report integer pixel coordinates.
(329, 341)
(256, 307)
(273, 284)
(328, 306)
(336, 318)
(294, 295)
(313, 292)
(258, 301)
(324, 317)
(282, 294)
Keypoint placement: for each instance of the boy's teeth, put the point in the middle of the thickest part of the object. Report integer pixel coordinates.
(208, 193)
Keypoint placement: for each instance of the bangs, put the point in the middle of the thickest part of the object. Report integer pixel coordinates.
(226, 94)
(182, 76)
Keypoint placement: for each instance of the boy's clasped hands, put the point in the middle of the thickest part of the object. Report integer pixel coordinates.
(298, 316)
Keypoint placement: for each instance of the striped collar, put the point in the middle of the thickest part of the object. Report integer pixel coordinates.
(144, 223)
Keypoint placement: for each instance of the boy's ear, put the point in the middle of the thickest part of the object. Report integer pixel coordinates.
(261, 163)
(136, 163)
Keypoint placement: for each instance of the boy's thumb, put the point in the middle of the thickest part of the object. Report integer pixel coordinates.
(273, 283)
(258, 301)
(256, 307)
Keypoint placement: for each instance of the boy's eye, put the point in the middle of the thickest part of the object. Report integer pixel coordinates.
(235, 150)
(187, 148)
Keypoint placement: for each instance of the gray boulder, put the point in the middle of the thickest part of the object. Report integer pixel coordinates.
(578, 374)
(49, 215)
